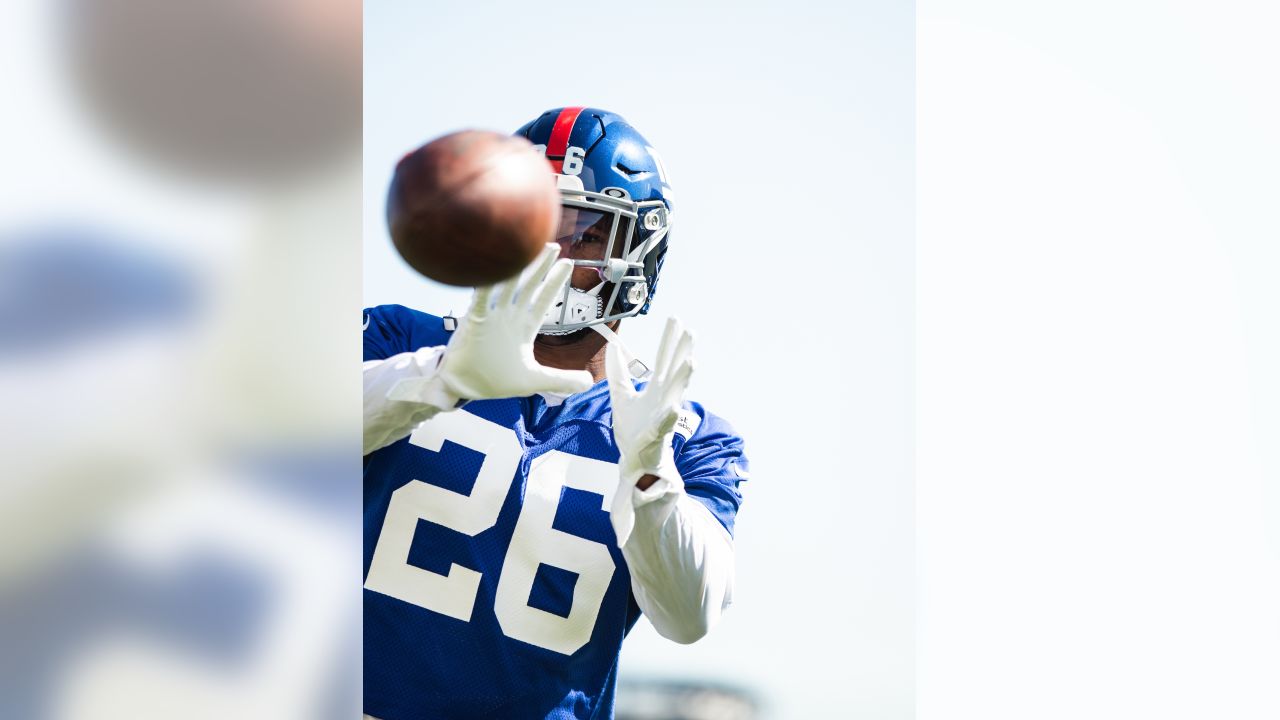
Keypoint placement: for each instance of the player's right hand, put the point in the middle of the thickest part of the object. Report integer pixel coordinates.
(491, 353)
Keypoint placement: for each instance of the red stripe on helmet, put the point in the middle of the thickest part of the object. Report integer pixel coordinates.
(558, 144)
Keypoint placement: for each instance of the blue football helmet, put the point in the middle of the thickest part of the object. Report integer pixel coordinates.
(615, 214)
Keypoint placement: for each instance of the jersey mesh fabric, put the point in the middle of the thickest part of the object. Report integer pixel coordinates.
(419, 663)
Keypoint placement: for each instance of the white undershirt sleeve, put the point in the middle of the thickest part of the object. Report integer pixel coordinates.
(681, 562)
(401, 392)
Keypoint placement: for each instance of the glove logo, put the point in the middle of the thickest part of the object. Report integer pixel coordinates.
(687, 423)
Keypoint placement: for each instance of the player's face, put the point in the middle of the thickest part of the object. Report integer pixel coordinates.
(584, 235)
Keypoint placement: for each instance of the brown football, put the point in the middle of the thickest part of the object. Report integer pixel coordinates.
(473, 207)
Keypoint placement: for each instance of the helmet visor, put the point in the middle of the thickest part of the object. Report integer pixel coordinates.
(589, 235)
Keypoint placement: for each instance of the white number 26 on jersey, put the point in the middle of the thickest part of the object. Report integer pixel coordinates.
(534, 541)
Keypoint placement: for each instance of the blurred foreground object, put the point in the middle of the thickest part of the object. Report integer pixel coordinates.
(472, 207)
(227, 88)
(62, 286)
(178, 254)
(92, 332)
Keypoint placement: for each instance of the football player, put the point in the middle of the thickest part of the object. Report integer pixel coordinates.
(530, 489)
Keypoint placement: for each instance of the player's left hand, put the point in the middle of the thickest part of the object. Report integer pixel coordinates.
(644, 420)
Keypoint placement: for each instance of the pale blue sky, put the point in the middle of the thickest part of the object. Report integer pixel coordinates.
(788, 132)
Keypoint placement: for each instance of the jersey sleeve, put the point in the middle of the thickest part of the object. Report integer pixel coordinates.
(392, 329)
(711, 462)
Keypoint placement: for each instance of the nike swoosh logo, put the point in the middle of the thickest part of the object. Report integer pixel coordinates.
(366, 323)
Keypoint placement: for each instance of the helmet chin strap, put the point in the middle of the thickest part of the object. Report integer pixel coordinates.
(637, 368)
(581, 306)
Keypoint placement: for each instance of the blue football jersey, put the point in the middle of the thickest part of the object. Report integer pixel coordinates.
(494, 585)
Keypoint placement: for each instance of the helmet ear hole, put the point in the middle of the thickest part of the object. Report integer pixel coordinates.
(655, 219)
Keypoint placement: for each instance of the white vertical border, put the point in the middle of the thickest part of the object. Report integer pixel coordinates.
(1098, 376)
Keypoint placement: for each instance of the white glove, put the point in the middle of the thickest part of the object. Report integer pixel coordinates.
(644, 424)
(491, 353)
